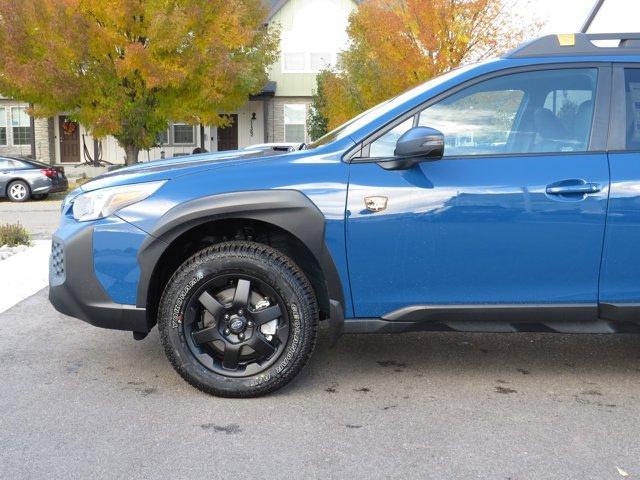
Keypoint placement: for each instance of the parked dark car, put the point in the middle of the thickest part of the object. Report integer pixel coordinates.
(23, 178)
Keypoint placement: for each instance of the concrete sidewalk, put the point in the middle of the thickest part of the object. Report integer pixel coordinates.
(40, 217)
(24, 274)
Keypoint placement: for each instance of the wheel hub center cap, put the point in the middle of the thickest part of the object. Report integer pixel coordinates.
(237, 324)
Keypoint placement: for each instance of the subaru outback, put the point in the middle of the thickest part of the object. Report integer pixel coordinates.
(500, 197)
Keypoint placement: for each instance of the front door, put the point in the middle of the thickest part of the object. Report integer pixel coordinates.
(69, 140)
(228, 136)
(514, 214)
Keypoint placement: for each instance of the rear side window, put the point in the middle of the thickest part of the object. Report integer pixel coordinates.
(632, 89)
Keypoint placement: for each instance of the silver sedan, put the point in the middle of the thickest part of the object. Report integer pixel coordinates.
(23, 178)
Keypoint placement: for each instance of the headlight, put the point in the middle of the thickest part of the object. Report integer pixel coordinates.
(104, 201)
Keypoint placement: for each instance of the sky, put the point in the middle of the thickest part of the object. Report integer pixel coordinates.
(568, 16)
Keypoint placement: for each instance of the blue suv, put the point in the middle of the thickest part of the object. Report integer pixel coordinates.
(500, 197)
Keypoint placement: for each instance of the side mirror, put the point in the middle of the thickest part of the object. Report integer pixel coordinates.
(414, 146)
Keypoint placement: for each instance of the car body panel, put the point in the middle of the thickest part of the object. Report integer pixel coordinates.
(478, 230)
(115, 258)
(620, 278)
(292, 171)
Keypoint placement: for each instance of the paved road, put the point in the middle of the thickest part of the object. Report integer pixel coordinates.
(40, 218)
(80, 402)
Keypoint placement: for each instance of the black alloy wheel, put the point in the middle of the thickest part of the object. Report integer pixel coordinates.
(238, 319)
(225, 321)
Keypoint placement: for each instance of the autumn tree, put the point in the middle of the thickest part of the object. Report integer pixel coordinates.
(398, 44)
(317, 123)
(127, 67)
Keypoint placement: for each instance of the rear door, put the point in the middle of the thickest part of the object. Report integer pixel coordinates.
(512, 217)
(620, 277)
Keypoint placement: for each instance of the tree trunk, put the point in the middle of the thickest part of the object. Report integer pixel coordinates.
(131, 154)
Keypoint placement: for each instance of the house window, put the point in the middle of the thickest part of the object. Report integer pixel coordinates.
(295, 62)
(295, 116)
(306, 62)
(3, 126)
(320, 61)
(183, 134)
(21, 126)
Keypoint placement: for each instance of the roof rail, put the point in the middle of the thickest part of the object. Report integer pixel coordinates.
(577, 44)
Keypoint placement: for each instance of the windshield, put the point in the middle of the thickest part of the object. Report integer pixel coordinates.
(384, 107)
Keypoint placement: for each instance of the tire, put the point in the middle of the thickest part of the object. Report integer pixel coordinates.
(201, 310)
(18, 191)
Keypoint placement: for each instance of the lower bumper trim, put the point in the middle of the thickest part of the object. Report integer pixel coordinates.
(79, 294)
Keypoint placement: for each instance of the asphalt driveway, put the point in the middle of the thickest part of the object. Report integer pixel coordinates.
(80, 402)
(39, 217)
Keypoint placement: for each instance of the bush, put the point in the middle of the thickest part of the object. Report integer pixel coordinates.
(13, 234)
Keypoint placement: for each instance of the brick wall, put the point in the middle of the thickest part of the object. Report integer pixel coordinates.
(45, 151)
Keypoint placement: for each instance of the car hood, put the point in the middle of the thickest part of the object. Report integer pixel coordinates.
(174, 167)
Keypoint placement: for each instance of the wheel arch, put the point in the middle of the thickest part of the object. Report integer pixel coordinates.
(10, 181)
(285, 219)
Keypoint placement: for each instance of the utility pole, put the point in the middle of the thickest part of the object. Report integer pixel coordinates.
(594, 11)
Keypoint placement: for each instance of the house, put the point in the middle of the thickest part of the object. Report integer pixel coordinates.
(313, 33)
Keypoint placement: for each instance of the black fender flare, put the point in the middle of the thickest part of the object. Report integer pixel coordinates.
(290, 210)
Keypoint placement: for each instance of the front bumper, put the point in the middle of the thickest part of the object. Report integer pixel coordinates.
(75, 291)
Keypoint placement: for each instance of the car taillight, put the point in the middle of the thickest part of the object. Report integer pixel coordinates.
(49, 172)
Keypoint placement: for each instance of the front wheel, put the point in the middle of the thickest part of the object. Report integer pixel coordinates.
(238, 319)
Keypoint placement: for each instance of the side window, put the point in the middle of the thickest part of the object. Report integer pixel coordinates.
(545, 111)
(632, 89)
(476, 121)
(385, 145)
(572, 107)
(4, 164)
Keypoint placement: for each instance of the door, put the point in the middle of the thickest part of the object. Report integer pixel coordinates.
(513, 215)
(6, 170)
(69, 140)
(620, 277)
(228, 136)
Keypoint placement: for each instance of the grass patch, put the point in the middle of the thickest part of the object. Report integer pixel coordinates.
(73, 184)
(14, 234)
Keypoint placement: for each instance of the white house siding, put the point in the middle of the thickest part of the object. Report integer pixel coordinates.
(113, 153)
(308, 27)
(245, 138)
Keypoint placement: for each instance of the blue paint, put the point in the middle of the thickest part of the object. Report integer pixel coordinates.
(115, 249)
(475, 231)
(459, 230)
(620, 278)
